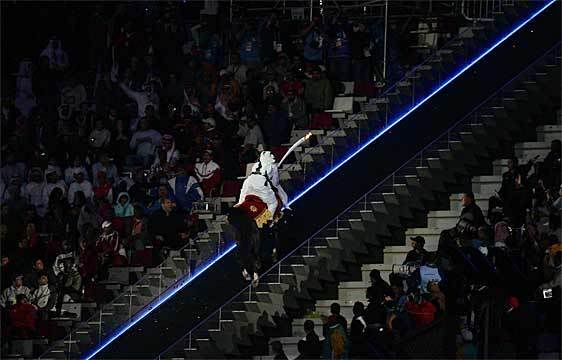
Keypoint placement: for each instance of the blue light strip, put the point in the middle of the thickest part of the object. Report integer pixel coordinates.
(151, 307)
(163, 299)
(413, 108)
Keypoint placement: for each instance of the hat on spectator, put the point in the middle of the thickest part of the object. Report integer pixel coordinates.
(105, 224)
(418, 239)
(18, 276)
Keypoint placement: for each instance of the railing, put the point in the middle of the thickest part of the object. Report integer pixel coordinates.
(483, 10)
(418, 158)
(382, 100)
(157, 284)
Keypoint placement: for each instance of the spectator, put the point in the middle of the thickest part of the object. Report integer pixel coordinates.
(54, 181)
(437, 297)
(310, 347)
(550, 167)
(276, 126)
(145, 98)
(380, 288)
(418, 254)
(58, 58)
(237, 69)
(100, 137)
(12, 168)
(313, 42)
(186, 190)
(33, 191)
(144, 143)
(471, 217)
(360, 54)
(339, 50)
(23, 318)
(251, 133)
(277, 349)
(421, 311)
(335, 328)
(105, 165)
(25, 99)
(166, 155)
(295, 108)
(358, 332)
(167, 226)
(335, 317)
(109, 246)
(76, 166)
(8, 297)
(318, 92)
(518, 202)
(123, 207)
(208, 173)
(557, 204)
(73, 94)
(79, 184)
(41, 297)
(250, 45)
(31, 279)
(68, 280)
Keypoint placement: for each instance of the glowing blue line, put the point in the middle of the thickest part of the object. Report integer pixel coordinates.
(408, 112)
(143, 313)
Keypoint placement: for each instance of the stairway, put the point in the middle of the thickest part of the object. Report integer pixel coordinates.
(420, 199)
(310, 163)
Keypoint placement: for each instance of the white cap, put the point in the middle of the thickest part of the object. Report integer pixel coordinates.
(105, 224)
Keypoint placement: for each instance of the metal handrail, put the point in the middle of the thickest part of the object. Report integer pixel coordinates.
(482, 10)
(98, 315)
(388, 89)
(445, 135)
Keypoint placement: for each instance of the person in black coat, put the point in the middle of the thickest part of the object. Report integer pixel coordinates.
(418, 254)
(167, 224)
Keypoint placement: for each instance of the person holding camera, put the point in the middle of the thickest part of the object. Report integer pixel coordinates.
(68, 279)
(471, 217)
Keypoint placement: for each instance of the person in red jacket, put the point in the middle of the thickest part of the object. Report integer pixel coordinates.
(23, 318)
(421, 311)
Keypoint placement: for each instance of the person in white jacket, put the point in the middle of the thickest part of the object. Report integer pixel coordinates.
(80, 184)
(41, 296)
(143, 98)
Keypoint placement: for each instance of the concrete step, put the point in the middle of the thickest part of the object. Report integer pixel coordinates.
(346, 306)
(442, 219)
(480, 198)
(547, 133)
(298, 326)
(290, 344)
(526, 151)
(486, 186)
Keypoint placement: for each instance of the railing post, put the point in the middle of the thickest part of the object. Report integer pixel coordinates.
(414, 89)
(486, 331)
(160, 283)
(130, 301)
(70, 345)
(385, 40)
(99, 325)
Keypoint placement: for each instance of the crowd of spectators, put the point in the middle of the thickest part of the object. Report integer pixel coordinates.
(508, 262)
(105, 152)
